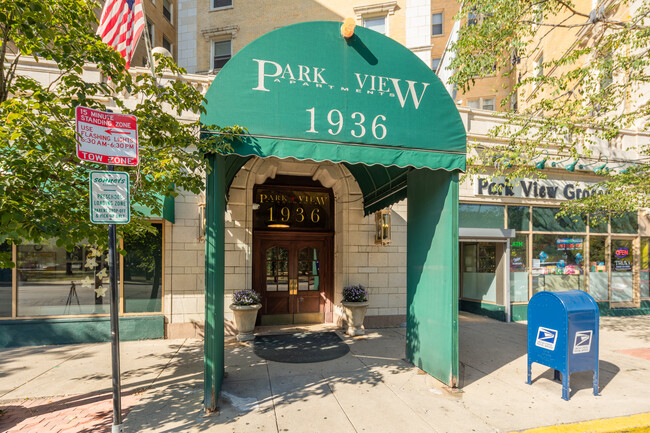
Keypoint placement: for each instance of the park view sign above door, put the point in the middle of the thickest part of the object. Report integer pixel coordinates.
(366, 97)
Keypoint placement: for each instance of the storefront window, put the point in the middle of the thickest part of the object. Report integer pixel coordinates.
(598, 273)
(5, 285)
(625, 223)
(52, 281)
(481, 215)
(143, 272)
(598, 223)
(518, 268)
(518, 218)
(645, 268)
(622, 256)
(479, 272)
(558, 263)
(545, 220)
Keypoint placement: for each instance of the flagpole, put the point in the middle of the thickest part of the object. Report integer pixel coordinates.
(147, 42)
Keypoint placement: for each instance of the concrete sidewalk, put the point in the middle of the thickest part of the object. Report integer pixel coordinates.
(371, 389)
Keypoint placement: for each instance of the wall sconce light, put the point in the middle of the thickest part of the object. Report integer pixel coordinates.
(382, 227)
(572, 167)
(602, 167)
(555, 163)
(202, 221)
(541, 164)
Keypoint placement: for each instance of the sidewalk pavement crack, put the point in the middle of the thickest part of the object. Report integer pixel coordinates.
(46, 371)
(275, 413)
(329, 385)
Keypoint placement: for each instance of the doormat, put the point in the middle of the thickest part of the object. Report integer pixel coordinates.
(301, 347)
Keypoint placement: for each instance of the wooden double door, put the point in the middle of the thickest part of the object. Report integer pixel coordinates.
(293, 272)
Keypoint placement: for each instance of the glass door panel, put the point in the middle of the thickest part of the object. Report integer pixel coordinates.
(598, 272)
(622, 260)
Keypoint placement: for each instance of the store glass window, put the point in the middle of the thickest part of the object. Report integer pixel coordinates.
(625, 223)
(481, 215)
(518, 218)
(622, 265)
(53, 281)
(479, 271)
(598, 223)
(143, 272)
(545, 219)
(519, 268)
(558, 263)
(5, 285)
(645, 268)
(598, 269)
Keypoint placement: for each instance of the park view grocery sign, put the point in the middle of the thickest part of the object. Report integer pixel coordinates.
(106, 138)
(528, 188)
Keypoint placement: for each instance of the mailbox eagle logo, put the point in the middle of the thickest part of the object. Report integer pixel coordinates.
(582, 343)
(546, 338)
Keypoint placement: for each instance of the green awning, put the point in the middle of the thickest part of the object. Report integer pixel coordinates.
(364, 101)
(168, 209)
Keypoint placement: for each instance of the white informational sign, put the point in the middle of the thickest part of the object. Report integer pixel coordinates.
(107, 138)
(109, 197)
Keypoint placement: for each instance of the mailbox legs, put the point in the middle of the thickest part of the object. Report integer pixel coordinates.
(596, 381)
(529, 372)
(565, 386)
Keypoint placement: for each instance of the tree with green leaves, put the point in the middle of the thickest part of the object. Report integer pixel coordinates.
(43, 185)
(568, 100)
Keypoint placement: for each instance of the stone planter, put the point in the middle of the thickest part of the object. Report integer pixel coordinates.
(355, 312)
(245, 316)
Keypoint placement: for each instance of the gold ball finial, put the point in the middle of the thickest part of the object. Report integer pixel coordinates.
(347, 29)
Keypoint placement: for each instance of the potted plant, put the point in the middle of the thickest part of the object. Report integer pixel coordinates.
(245, 304)
(355, 303)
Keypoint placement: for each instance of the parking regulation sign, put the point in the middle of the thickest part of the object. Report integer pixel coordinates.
(109, 197)
(107, 138)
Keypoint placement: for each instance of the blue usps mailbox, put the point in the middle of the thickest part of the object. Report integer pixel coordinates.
(563, 334)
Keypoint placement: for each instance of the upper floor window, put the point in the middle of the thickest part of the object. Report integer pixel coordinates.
(152, 30)
(435, 63)
(436, 24)
(167, 10)
(472, 18)
(376, 24)
(539, 66)
(166, 44)
(218, 4)
(221, 53)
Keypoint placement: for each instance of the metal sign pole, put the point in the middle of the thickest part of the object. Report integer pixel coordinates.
(115, 330)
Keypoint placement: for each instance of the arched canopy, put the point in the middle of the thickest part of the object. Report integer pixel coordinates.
(305, 92)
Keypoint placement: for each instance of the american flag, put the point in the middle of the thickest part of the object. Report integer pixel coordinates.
(120, 26)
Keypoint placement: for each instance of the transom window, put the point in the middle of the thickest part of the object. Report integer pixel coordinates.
(376, 24)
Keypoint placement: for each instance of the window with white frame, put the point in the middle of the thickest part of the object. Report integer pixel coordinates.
(221, 4)
(167, 10)
(488, 104)
(539, 66)
(436, 24)
(152, 33)
(221, 53)
(377, 24)
(474, 103)
(435, 63)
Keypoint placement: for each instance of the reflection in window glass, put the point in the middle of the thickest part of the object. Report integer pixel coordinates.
(598, 223)
(376, 24)
(481, 215)
(598, 272)
(53, 282)
(625, 223)
(519, 269)
(645, 267)
(5, 285)
(143, 272)
(308, 266)
(545, 220)
(558, 263)
(479, 271)
(518, 217)
(622, 258)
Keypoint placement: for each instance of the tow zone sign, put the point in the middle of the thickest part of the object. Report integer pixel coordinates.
(107, 138)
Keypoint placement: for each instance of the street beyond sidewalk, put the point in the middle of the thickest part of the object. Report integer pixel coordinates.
(371, 389)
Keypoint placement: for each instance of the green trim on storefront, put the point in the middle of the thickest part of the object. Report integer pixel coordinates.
(486, 309)
(39, 332)
(519, 312)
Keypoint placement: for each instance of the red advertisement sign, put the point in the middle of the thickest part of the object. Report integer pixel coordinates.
(107, 138)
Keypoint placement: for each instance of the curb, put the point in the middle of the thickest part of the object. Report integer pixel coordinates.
(626, 424)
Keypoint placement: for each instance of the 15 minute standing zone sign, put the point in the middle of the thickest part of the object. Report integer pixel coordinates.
(107, 138)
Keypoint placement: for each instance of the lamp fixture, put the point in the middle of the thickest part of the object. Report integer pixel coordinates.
(602, 167)
(555, 163)
(572, 167)
(542, 164)
(382, 227)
